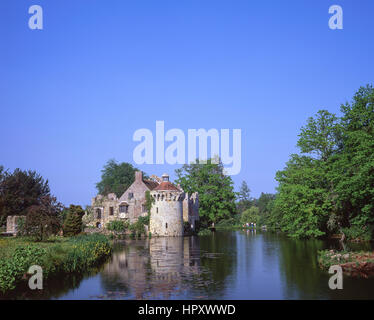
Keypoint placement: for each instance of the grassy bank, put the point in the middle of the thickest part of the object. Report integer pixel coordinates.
(57, 255)
(360, 264)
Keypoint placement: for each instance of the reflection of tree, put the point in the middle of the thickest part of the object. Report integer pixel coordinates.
(218, 256)
(53, 288)
(299, 265)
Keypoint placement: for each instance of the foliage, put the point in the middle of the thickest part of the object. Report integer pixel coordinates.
(116, 178)
(329, 187)
(357, 233)
(137, 228)
(149, 200)
(117, 225)
(244, 198)
(216, 195)
(19, 191)
(13, 268)
(58, 255)
(73, 222)
(89, 216)
(251, 215)
(204, 232)
(42, 220)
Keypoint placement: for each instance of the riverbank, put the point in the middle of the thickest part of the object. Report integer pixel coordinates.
(57, 255)
(356, 264)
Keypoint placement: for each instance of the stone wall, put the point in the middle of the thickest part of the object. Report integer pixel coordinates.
(167, 213)
(137, 202)
(12, 224)
(191, 209)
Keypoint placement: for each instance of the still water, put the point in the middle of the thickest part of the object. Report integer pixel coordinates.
(223, 265)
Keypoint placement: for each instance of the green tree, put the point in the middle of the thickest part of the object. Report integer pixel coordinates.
(42, 220)
(244, 197)
(116, 177)
(352, 171)
(250, 215)
(19, 191)
(216, 194)
(73, 222)
(304, 199)
(330, 186)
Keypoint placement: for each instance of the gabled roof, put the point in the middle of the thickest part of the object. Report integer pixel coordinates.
(166, 185)
(151, 184)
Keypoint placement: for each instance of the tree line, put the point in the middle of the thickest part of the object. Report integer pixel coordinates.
(328, 187)
(26, 193)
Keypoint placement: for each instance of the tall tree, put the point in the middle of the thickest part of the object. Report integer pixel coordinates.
(304, 193)
(116, 177)
(216, 194)
(244, 197)
(20, 190)
(73, 221)
(353, 168)
(42, 219)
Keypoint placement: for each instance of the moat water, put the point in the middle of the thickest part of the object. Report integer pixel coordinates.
(223, 265)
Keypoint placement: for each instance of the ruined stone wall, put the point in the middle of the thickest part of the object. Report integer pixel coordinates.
(104, 203)
(167, 213)
(191, 209)
(12, 223)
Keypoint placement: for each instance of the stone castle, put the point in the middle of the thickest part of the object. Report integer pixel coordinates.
(171, 210)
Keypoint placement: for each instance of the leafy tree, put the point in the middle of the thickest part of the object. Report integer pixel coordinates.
(73, 222)
(244, 197)
(116, 178)
(330, 186)
(19, 191)
(216, 195)
(304, 193)
(352, 171)
(250, 215)
(320, 136)
(42, 220)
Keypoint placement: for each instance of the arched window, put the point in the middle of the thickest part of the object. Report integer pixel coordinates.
(166, 225)
(98, 213)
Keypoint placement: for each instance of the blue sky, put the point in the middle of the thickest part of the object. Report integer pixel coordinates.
(72, 94)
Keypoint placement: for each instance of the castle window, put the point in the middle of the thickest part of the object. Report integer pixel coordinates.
(156, 210)
(111, 211)
(123, 209)
(166, 225)
(98, 213)
(131, 195)
(144, 209)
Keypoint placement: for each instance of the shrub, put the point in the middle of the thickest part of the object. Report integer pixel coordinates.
(358, 233)
(42, 220)
(73, 222)
(117, 225)
(77, 254)
(14, 267)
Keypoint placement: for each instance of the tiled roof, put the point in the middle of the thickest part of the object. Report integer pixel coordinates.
(150, 184)
(166, 185)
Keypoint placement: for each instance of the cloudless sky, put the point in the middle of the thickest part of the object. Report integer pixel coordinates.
(72, 94)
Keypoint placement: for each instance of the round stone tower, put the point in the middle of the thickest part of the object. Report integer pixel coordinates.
(167, 210)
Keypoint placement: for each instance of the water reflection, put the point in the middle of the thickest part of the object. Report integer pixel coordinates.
(156, 268)
(223, 265)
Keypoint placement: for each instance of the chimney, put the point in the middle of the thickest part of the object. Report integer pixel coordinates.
(138, 176)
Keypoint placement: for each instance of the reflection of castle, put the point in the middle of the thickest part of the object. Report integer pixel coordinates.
(172, 207)
(155, 268)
